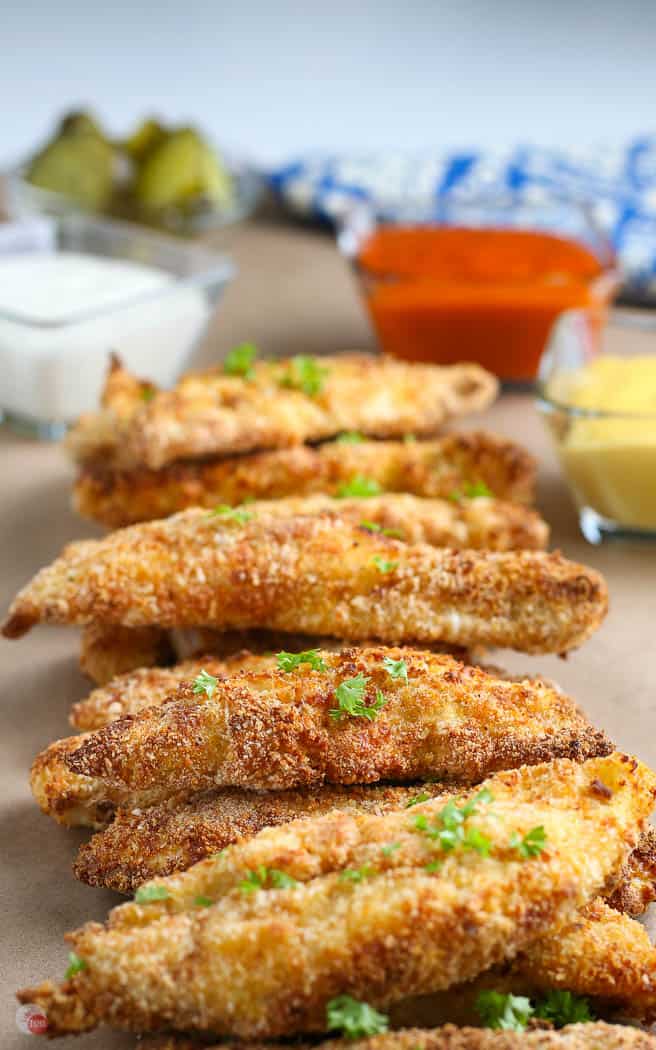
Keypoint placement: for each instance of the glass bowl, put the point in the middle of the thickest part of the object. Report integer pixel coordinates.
(53, 359)
(477, 279)
(23, 198)
(596, 390)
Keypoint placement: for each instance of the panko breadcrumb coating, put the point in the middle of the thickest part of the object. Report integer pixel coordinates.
(314, 575)
(271, 729)
(108, 650)
(278, 729)
(210, 413)
(596, 1036)
(447, 466)
(265, 961)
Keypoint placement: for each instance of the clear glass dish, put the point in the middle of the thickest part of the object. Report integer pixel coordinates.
(608, 455)
(22, 198)
(477, 279)
(53, 364)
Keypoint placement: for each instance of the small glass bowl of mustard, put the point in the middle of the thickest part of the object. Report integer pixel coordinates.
(597, 393)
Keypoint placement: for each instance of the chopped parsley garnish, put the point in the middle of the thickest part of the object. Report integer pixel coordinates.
(306, 374)
(239, 361)
(359, 487)
(447, 828)
(357, 874)
(75, 965)
(238, 514)
(508, 1012)
(148, 393)
(434, 866)
(205, 683)
(372, 526)
(531, 844)
(390, 848)
(350, 699)
(257, 879)
(350, 437)
(203, 902)
(383, 564)
(422, 797)
(409, 439)
(472, 490)
(290, 661)
(147, 894)
(353, 1019)
(396, 668)
(562, 1007)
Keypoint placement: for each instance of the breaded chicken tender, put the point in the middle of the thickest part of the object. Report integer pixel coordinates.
(356, 719)
(110, 650)
(210, 413)
(292, 928)
(596, 1036)
(314, 575)
(273, 730)
(156, 841)
(449, 465)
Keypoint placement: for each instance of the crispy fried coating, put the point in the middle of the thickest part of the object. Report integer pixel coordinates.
(110, 650)
(314, 575)
(274, 729)
(433, 469)
(210, 413)
(602, 955)
(480, 523)
(596, 1036)
(264, 963)
(156, 841)
(637, 885)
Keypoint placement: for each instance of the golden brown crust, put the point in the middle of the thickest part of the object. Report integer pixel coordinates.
(154, 842)
(431, 469)
(210, 413)
(636, 888)
(110, 650)
(264, 964)
(274, 729)
(596, 1036)
(315, 575)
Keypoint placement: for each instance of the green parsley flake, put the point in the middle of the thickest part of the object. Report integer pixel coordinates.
(350, 698)
(350, 437)
(434, 866)
(531, 845)
(448, 830)
(508, 1012)
(390, 848)
(75, 965)
(148, 393)
(396, 668)
(357, 874)
(148, 894)
(562, 1007)
(383, 565)
(205, 683)
(359, 487)
(203, 902)
(372, 526)
(353, 1019)
(257, 880)
(422, 797)
(306, 374)
(472, 490)
(409, 439)
(290, 661)
(227, 513)
(239, 361)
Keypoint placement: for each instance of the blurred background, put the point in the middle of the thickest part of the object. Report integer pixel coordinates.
(277, 79)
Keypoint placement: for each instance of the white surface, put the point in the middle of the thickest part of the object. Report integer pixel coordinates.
(278, 78)
(54, 374)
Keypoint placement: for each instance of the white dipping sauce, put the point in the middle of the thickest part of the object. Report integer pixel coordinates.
(61, 313)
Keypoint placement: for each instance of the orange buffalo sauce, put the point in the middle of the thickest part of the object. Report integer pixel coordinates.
(447, 294)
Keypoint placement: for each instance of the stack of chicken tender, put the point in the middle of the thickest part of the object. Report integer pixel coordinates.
(336, 817)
